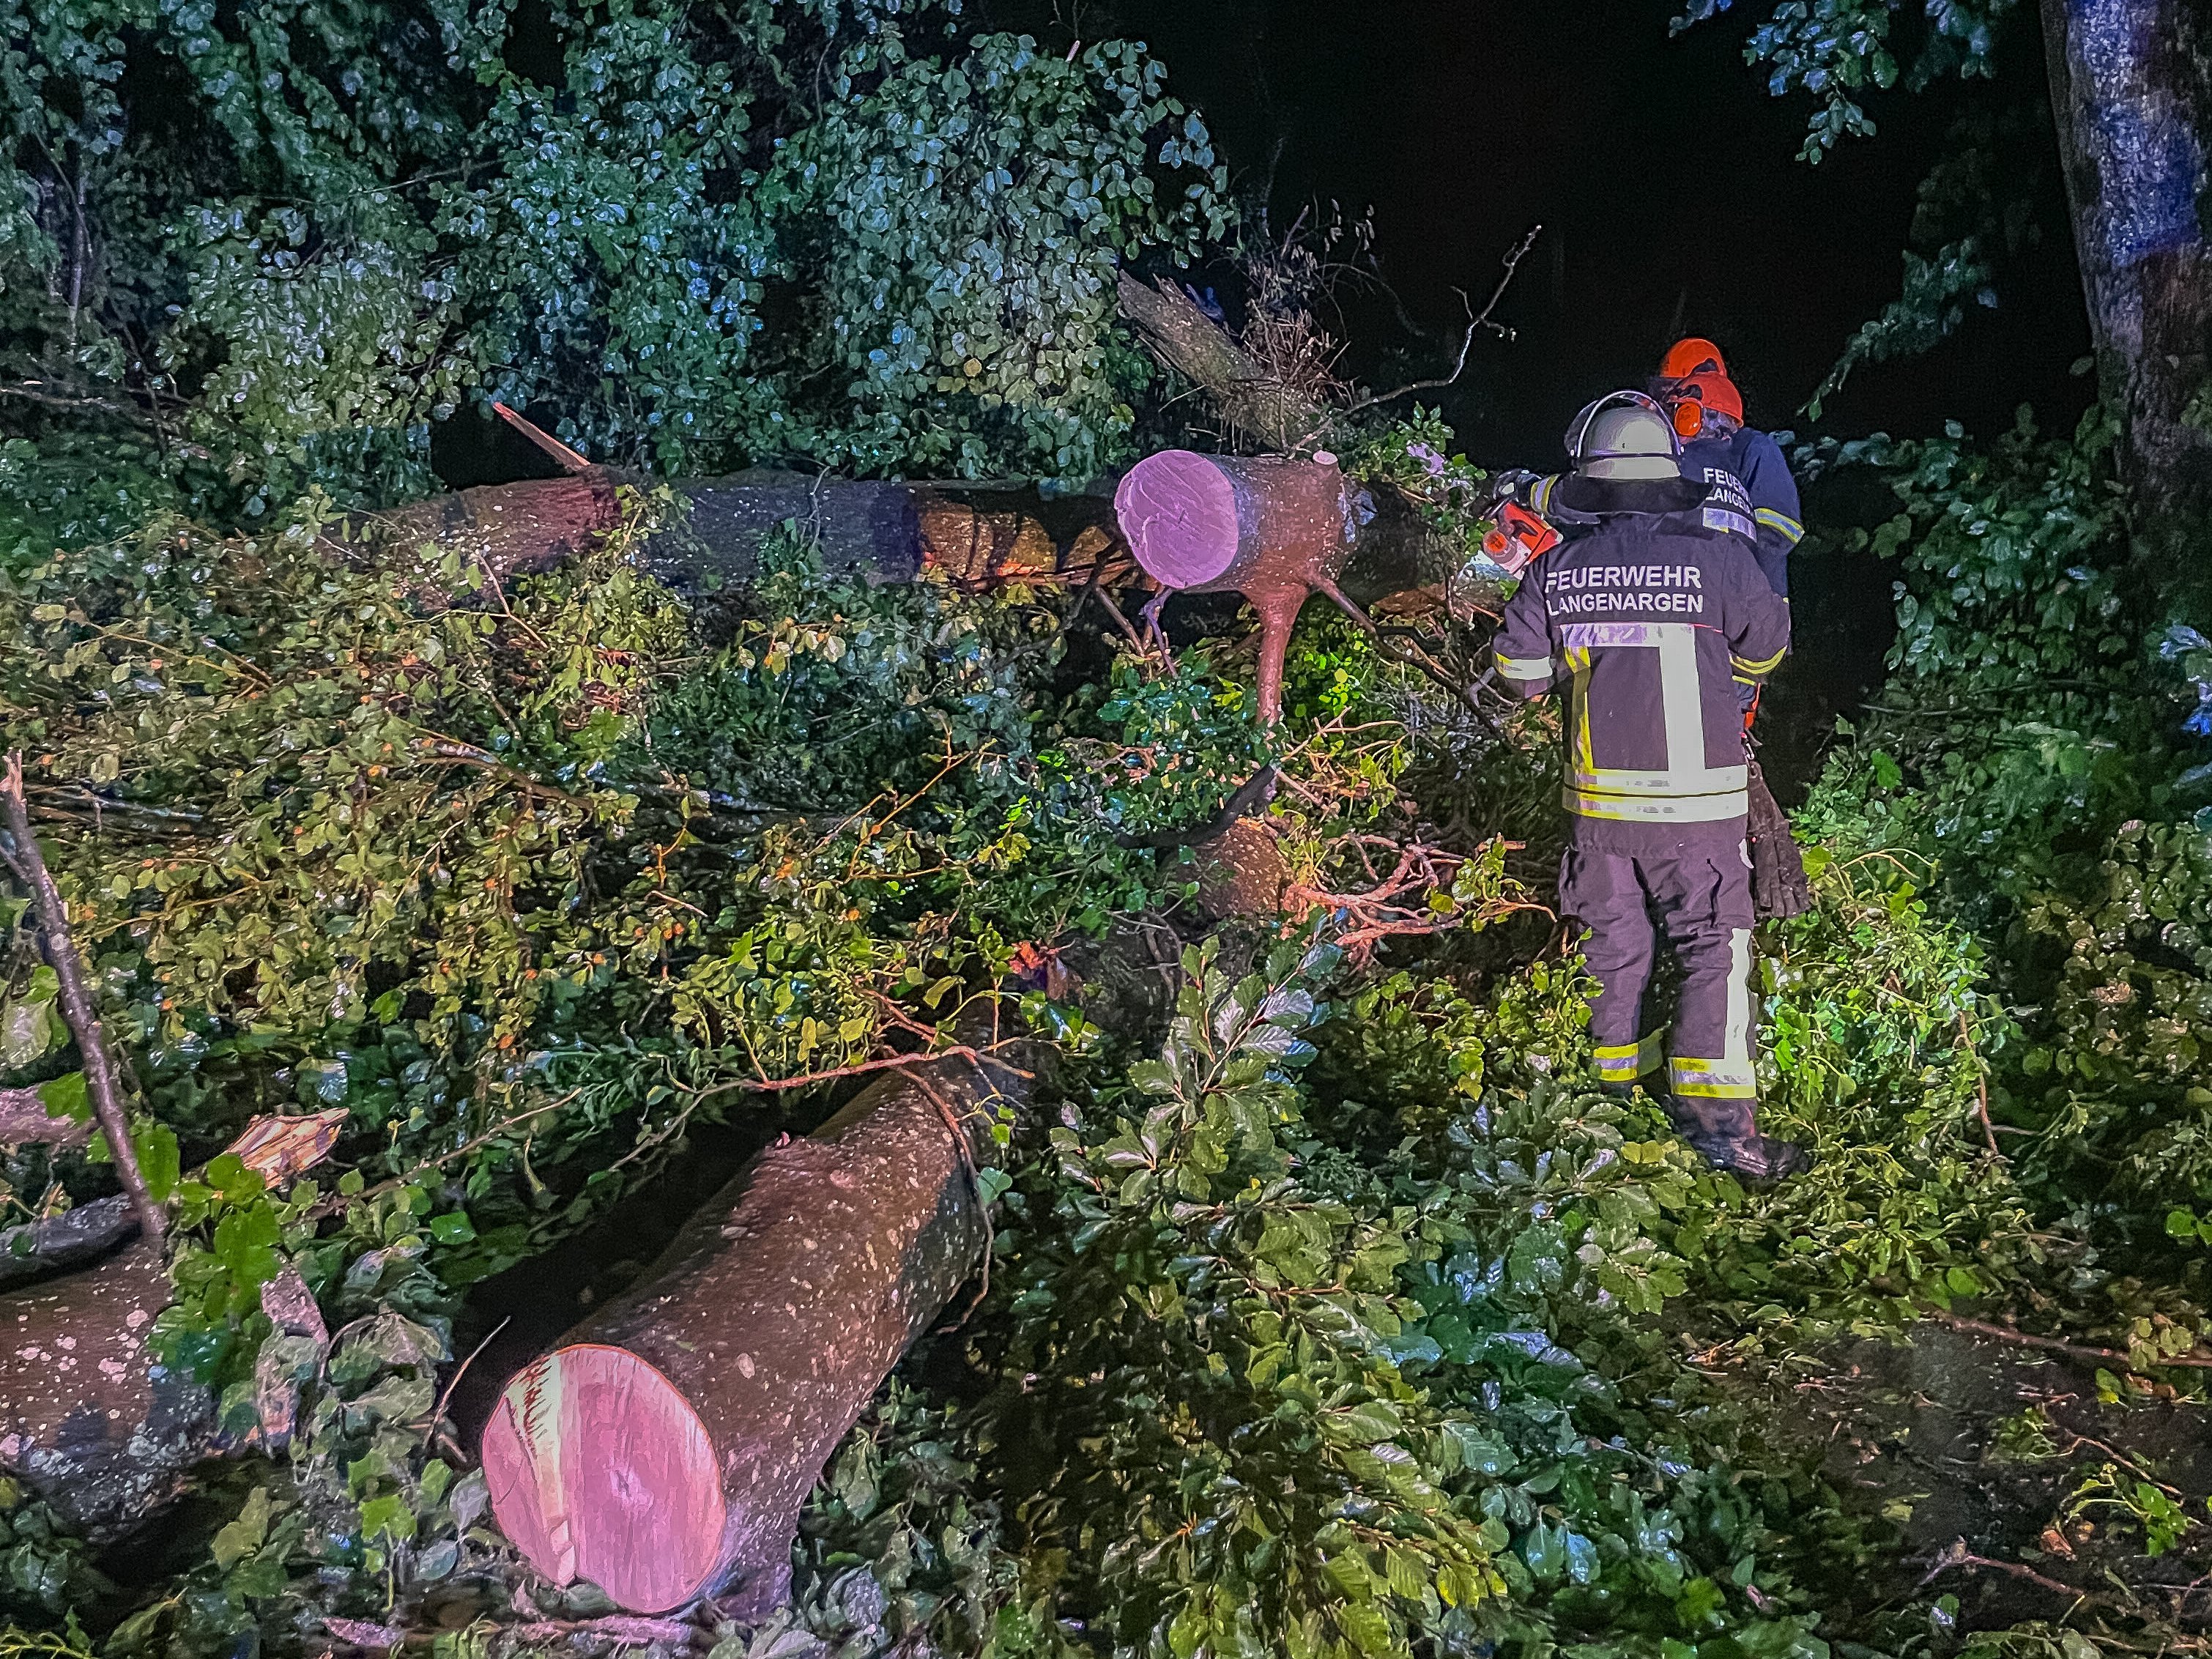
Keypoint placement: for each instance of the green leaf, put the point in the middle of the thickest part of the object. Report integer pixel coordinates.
(159, 1162)
(27, 1029)
(246, 1534)
(1700, 1605)
(246, 1243)
(64, 1096)
(388, 1518)
(1368, 1630)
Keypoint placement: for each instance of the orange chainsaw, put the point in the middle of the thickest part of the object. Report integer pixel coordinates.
(1517, 536)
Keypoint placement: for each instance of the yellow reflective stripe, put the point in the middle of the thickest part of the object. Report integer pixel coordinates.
(1627, 1061)
(1762, 665)
(1540, 498)
(1782, 521)
(1525, 668)
(1694, 780)
(1579, 664)
(1713, 1079)
(1669, 809)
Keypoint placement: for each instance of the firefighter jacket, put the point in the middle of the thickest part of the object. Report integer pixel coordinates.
(1569, 504)
(1754, 460)
(1651, 618)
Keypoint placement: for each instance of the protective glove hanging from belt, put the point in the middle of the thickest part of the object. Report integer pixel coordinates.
(1778, 886)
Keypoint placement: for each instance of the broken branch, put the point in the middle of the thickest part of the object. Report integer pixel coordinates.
(76, 998)
(2077, 1350)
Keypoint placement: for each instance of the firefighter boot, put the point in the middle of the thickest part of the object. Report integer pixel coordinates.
(1725, 1134)
(1755, 1158)
(1706, 906)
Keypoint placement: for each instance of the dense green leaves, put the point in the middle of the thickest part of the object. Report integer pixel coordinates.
(278, 246)
(2035, 744)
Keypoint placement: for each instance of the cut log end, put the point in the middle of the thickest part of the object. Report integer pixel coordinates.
(1179, 511)
(600, 1469)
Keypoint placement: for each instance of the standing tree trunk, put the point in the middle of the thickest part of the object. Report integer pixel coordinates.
(2131, 90)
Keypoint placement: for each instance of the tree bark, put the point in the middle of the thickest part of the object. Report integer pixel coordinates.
(1276, 529)
(1251, 401)
(890, 530)
(87, 1421)
(2131, 90)
(39, 1249)
(24, 1120)
(1394, 550)
(75, 997)
(663, 1451)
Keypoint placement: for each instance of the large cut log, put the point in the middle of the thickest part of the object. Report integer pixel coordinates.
(1397, 550)
(1275, 529)
(87, 1421)
(663, 1449)
(1204, 524)
(890, 530)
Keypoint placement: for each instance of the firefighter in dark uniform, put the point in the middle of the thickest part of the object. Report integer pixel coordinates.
(1652, 613)
(1707, 413)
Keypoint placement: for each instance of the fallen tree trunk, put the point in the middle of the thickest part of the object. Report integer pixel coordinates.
(975, 533)
(39, 1249)
(889, 530)
(25, 1121)
(87, 1421)
(663, 1451)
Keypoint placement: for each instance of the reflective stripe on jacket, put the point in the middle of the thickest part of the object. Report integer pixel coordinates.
(1652, 619)
(1754, 460)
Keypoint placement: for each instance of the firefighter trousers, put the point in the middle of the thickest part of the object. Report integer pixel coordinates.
(1698, 895)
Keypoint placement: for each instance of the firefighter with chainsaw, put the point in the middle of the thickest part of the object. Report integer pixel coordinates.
(1705, 409)
(1651, 611)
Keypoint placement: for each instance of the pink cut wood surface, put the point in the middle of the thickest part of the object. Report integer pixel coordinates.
(1179, 513)
(599, 1469)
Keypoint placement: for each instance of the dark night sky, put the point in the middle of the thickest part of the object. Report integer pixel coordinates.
(1664, 177)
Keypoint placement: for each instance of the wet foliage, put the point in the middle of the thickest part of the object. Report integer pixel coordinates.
(267, 250)
(1332, 1311)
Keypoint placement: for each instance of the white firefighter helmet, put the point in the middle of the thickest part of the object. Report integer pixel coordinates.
(1624, 435)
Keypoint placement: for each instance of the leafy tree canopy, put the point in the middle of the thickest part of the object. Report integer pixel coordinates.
(284, 239)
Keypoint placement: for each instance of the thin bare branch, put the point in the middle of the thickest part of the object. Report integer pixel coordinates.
(1475, 323)
(570, 461)
(2075, 1350)
(78, 1009)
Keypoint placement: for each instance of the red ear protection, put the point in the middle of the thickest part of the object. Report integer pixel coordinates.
(1689, 418)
